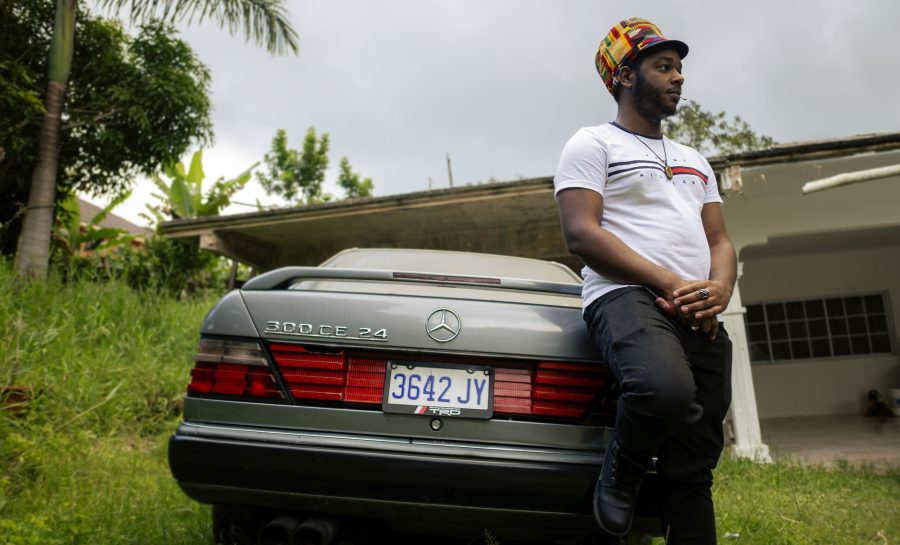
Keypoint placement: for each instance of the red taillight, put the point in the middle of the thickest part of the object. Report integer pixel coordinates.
(233, 368)
(330, 377)
(553, 389)
(310, 375)
(365, 380)
(566, 389)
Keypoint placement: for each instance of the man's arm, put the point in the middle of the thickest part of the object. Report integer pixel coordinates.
(580, 213)
(722, 275)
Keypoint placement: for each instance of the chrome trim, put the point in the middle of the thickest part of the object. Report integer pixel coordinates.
(317, 336)
(391, 444)
(372, 423)
(442, 325)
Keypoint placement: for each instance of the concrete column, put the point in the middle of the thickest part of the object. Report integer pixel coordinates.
(744, 416)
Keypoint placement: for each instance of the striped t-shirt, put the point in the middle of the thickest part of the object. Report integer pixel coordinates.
(656, 217)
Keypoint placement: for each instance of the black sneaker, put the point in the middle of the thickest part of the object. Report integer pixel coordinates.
(615, 496)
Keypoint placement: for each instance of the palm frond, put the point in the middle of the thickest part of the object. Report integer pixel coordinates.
(265, 22)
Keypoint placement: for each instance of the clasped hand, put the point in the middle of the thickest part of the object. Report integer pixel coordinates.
(688, 305)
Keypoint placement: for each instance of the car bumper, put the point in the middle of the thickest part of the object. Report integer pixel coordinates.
(414, 485)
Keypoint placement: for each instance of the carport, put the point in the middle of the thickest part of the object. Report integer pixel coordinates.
(513, 218)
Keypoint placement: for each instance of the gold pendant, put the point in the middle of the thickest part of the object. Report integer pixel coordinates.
(669, 173)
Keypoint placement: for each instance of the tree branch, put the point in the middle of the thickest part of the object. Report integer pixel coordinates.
(96, 119)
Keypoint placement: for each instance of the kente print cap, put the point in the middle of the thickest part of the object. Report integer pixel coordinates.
(624, 42)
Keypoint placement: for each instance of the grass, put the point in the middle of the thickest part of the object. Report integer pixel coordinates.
(789, 503)
(107, 364)
(81, 488)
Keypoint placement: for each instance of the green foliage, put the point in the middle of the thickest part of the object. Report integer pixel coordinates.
(264, 21)
(100, 356)
(78, 239)
(350, 181)
(146, 115)
(169, 265)
(108, 366)
(182, 197)
(85, 251)
(155, 263)
(132, 104)
(297, 176)
(712, 134)
(18, 97)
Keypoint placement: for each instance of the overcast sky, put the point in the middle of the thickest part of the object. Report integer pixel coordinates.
(501, 85)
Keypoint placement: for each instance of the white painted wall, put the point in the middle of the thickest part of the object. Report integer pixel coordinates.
(816, 387)
(830, 385)
(771, 202)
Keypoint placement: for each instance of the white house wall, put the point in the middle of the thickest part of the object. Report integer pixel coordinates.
(771, 203)
(825, 385)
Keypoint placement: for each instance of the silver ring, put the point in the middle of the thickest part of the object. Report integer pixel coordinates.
(704, 293)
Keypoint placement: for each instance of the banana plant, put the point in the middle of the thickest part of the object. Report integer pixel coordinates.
(79, 238)
(182, 197)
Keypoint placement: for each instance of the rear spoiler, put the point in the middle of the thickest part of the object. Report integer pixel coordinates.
(281, 278)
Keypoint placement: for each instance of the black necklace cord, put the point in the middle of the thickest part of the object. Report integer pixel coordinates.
(664, 158)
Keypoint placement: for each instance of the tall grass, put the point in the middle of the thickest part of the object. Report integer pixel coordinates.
(107, 366)
(98, 356)
(86, 463)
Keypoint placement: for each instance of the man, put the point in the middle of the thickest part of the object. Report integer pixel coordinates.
(644, 215)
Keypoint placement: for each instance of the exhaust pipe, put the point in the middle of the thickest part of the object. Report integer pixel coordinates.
(279, 531)
(316, 531)
(289, 530)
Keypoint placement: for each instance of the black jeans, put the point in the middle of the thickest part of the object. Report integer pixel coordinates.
(675, 390)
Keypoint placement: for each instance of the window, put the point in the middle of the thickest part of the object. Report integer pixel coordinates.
(818, 328)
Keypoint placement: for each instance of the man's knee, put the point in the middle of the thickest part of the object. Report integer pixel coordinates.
(667, 396)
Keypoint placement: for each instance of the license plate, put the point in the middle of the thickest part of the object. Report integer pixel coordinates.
(436, 389)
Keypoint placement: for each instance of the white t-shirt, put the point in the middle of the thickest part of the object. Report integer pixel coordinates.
(656, 217)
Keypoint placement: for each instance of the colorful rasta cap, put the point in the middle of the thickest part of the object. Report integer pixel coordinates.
(624, 42)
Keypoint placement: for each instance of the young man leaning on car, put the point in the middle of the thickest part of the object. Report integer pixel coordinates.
(644, 215)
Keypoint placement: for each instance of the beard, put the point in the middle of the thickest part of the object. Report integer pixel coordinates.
(649, 101)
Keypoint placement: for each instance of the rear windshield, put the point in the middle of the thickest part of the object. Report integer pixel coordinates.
(454, 263)
(412, 289)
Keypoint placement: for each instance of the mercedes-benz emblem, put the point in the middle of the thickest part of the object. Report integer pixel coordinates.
(443, 325)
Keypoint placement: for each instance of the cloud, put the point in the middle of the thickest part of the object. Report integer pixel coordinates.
(501, 85)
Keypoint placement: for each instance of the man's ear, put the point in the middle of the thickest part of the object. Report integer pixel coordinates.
(626, 77)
